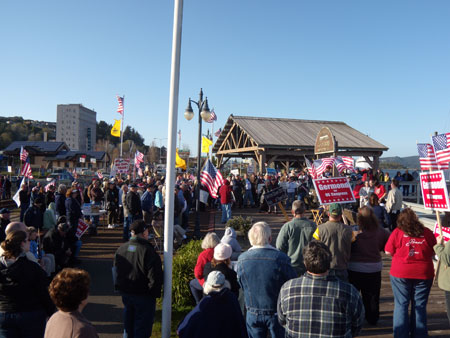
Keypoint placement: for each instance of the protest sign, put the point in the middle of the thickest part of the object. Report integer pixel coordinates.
(434, 191)
(81, 229)
(334, 190)
(122, 165)
(445, 232)
(274, 196)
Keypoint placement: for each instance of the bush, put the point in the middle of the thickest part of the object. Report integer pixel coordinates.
(239, 223)
(183, 272)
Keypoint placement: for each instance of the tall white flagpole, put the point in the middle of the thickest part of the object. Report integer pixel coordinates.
(121, 125)
(170, 181)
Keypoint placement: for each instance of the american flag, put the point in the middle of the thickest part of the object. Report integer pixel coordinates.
(213, 117)
(311, 168)
(349, 162)
(211, 178)
(26, 169)
(100, 175)
(442, 148)
(427, 157)
(217, 133)
(340, 165)
(138, 158)
(120, 108)
(322, 164)
(23, 154)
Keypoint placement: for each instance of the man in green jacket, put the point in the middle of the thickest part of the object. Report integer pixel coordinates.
(295, 235)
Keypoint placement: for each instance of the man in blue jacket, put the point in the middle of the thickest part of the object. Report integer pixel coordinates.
(262, 270)
(147, 204)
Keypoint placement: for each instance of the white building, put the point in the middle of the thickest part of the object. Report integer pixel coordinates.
(76, 126)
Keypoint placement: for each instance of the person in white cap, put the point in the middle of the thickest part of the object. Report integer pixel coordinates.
(221, 262)
(217, 315)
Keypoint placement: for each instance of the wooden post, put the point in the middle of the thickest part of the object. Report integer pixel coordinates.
(283, 210)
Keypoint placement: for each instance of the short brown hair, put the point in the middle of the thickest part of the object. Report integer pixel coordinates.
(69, 288)
(317, 257)
(409, 223)
(366, 219)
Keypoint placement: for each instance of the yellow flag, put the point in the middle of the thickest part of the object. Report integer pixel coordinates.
(115, 131)
(179, 162)
(206, 143)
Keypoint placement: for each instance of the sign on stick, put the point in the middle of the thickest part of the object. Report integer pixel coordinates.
(122, 165)
(274, 196)
(81, 229)
(434, 191)
(334, 190)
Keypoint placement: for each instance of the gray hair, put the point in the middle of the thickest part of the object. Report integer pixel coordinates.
(62, 188)
(210, 241)
(298, 207)
(260, 234)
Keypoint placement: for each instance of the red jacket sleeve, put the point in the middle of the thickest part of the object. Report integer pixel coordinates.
(391, 243)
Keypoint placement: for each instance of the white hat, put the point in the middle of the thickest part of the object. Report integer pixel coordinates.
(222, 252)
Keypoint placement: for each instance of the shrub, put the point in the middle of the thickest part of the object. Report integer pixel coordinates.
(183, 272)
(239, 223)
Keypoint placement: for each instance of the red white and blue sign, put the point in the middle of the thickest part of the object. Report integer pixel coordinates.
(434, 191)
(334, 190)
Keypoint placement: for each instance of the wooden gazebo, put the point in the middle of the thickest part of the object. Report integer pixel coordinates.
(287, 141)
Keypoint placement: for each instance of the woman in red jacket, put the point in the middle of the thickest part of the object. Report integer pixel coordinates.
(208, 244)
(225, 200)
(412, 272)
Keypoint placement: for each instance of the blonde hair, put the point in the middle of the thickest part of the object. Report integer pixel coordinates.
(210, 241)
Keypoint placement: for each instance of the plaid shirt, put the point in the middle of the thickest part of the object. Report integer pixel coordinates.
(320, 306)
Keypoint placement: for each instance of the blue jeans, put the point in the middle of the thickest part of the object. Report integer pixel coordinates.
(249, 197)
(22, 324)
(290, 200)
(139, 313)
(95, 219)
(259, 324)
(414, 291)
(196, 290)
(226, 212)
(126, 227)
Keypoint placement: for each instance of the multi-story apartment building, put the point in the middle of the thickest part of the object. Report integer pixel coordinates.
(76, 126)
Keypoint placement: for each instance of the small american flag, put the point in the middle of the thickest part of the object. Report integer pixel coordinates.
(213, 117)
(311, 168)
(322, 164)
(427, 157)
(340, 165)
(100, 175)
(211, 178)
(138, 158)
(23, 154)
(442, 148)
(217, 133)
(120, 108)
(349, 162)
(26, 170)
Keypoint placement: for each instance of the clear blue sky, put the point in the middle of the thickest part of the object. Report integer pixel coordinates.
(380, 66)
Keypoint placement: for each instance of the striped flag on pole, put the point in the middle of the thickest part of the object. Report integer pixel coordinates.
(427, 158)
(322, 164)
(217, 133)
(213, 117)
(26, 169)
(138, 158)
(310, 168)
(23, 154)
(120, 108)
(211, 178)
(349, 162)
(442, 147)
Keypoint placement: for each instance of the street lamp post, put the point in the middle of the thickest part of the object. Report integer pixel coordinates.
(205, 114)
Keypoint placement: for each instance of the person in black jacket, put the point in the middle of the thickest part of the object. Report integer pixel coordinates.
(60, 201)
(24, 300)
(4, 221)
(55, 242)
(133, 203)
(112, 203)
(139, 279)
(34, 217)
(24, 197)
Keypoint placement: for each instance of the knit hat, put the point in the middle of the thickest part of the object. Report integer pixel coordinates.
(222, 252)
(335, 209)
(215, 279)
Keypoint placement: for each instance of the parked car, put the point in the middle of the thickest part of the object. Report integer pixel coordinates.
(61, 178)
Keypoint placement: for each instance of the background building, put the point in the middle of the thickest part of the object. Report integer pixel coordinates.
(76, 126)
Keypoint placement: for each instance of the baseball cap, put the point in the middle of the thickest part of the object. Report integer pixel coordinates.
(335, 209)
(133, 185)
(215, 279)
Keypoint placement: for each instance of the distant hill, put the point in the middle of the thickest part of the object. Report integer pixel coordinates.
(396, 162)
